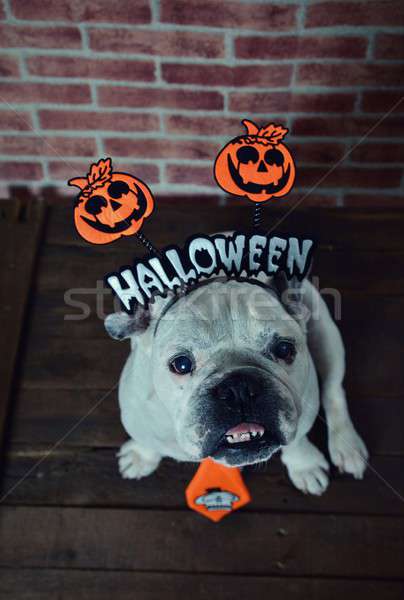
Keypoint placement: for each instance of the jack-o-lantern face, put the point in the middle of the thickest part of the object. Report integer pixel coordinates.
(256, 165)
(110, 204)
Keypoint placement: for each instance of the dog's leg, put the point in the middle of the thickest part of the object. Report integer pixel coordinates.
(135, 461)
(306, 466)
(347, 450)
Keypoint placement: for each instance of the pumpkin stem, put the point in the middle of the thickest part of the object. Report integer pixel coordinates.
(80, 182)
(251, 127)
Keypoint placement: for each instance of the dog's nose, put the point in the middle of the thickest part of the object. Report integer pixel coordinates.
(237, 387)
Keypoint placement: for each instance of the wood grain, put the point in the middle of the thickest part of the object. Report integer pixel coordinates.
(291, 544)
(372, 328)
(43, 584)
(89, 477)
(178, 218)
(74, 529)
(43, 416)
(20, 226)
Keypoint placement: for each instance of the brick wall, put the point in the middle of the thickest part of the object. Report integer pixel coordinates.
(161, 85)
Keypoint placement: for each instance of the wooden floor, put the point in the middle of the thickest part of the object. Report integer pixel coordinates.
(72, 529)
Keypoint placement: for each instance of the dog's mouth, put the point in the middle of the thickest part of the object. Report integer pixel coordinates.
(243, 436)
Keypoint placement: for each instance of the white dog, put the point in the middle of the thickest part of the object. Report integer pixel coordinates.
(227, 371)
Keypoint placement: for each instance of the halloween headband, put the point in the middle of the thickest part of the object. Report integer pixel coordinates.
(256, 165)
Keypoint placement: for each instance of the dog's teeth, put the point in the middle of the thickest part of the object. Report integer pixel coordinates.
(243, 436)
(230, 439)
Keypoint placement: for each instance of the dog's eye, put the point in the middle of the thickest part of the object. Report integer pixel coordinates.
(182, 365)
(284, 350)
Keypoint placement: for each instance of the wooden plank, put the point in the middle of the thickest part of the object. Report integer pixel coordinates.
(373, 331)
(60, 307)
(79, 270)
(20, 226)
(64, 267)
(43, 416)
(55, 482)
(40, 584)
(269, 544)
(177, 218)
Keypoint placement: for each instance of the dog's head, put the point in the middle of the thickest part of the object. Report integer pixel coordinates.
(229, 362)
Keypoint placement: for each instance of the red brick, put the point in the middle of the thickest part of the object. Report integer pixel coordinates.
(325, 102)
(9, 66)
(25, 36)
(91, 120)
(222, 75)
(259, 102)
(159, 97)
(328, 14)
(348, 126)
(374, 200)
(235, 15)
(2, 12)
(20, 170)
(379, 153)
(215, 126)
(61, 170)
(44, 92)
(164, 43)
(317, 152)
(161, 148)
(348, 74)
(47, 146)
(203, 125)
(289, 46)
(63, 66)
(190, 174)
(93, 11)
(19, 121)
(147, 172)
(382, 101)
(348, 177)
(389, 46)
(286, 102)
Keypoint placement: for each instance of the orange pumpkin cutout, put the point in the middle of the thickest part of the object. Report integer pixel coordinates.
(256, 165)
(216, 490)
(110, 204)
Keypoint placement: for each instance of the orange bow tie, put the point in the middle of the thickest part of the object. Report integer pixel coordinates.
(215, 490)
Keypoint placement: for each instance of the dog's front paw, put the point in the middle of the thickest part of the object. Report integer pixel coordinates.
(307, 468)
(311, 480)
(136, 462)
(347, 450)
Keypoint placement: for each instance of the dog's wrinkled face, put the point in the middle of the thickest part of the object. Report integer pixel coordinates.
(230, 364)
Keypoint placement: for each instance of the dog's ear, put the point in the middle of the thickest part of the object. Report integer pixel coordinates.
(290, 293)
(120, 325)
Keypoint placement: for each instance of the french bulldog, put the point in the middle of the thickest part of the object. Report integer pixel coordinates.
(229, 370)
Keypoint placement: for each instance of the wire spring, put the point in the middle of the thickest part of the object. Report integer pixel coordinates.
(257, 215)
(147, 243)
